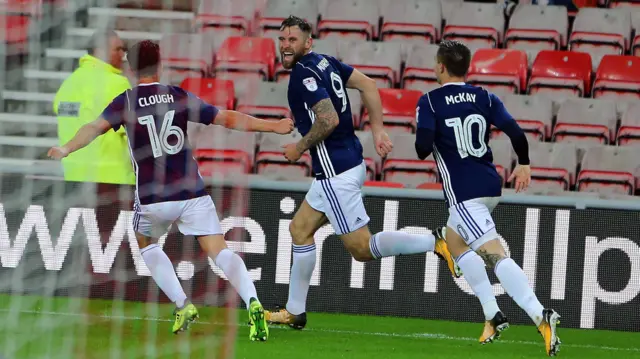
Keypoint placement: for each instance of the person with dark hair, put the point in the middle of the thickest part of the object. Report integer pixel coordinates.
(90, 88)
(454, 123)
(169, 188)
(320, 104)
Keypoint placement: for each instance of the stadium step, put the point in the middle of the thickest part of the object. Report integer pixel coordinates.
(79, 37)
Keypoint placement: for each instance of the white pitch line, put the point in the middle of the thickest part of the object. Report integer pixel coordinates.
(437, 336)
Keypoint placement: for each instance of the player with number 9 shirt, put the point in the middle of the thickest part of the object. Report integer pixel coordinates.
(454, 123)
(169, 187)
(320, 105)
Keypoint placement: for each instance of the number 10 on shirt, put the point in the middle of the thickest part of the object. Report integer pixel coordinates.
(160, 142)
(463, 131)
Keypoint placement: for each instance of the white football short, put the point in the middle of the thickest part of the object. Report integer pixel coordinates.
(472, 220)
(194, 217)
(340, 199)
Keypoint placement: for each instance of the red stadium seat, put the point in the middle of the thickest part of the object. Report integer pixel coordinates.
(188, 52)
(277, 10)
(629, 132)
(601, 31)
(414, 19)
(268, 101)
(561, 72)
(213, 162)
(233, 15)
(383, 184)
(402, 164)
(609, 169)
(585, 120)
(419, 67)
(15, 33)
(618, 77)
(247, 55)
(476, 24)
(217, 92)
(270, 161)
(539, 27)
(398, 108)
(349, 19)
(497, 68)
(553, 165)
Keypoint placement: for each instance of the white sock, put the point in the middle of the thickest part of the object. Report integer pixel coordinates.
(163, 273)
(386, 244)
(236, 272)
(304, 260)
(516, 284)
(476, 275)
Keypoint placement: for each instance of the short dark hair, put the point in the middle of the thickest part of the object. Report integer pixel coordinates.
(144, 58)
(100, 39)
(296, 21)
(455, 56)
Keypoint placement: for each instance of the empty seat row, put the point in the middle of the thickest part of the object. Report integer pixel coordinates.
(555, 166)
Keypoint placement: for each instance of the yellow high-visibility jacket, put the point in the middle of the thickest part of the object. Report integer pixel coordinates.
(80, 100)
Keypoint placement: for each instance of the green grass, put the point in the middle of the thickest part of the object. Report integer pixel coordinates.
(37, 327)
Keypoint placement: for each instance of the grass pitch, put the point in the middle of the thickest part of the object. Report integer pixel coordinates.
(56, 328)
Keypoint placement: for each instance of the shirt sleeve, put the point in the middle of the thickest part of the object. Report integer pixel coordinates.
(345, 72)
(425, 117)
(114, 112)
(311, 86)
(202, 112)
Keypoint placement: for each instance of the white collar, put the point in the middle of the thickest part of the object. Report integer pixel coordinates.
(149, 84)
(454, 83)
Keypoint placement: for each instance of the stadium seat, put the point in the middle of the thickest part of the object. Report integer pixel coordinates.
(277, 10)
(553, 165)
(411, 19)
(269, 101)
(249, 56)
(348, 19)
(585, 120)
(399, 110)
(561, 73)
(217, 92)
(497, 68)
(235, 16)
(15, 33)
(175, 5)
(609, 170)
(503, 157)
(600, 32)
(534, 114)
(191, 53)
(403, 166)
(378, 60)
(540, 27)
(476, 23)
(419, 67)
(141, 20)
(618, 77)
(220, 151)
(270, 160)
(430, 186)
(371, 158)
(629, 132)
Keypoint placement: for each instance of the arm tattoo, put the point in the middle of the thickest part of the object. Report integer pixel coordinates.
(326, 121)
(490, 259)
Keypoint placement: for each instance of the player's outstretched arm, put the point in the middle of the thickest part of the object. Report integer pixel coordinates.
(372, 102)
(85, 135)
(239, 121)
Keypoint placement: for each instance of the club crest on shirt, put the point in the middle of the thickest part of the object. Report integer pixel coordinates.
(310, 83)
